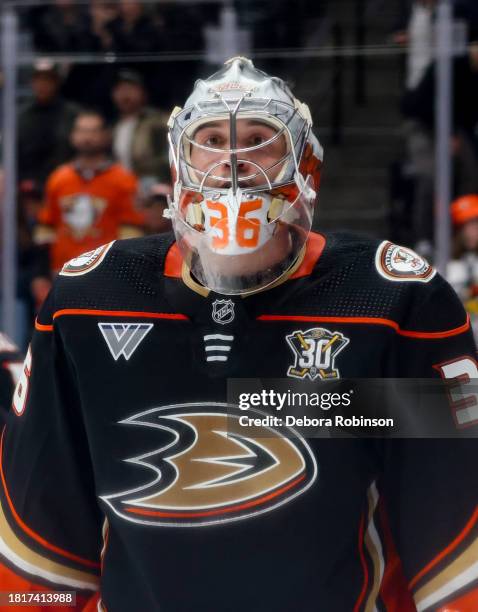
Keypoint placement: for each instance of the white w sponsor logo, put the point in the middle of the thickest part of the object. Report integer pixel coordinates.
(124, 338)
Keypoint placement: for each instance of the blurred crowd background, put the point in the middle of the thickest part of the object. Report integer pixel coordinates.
(99, 79)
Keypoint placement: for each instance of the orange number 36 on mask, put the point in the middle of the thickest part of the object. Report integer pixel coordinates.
(231, 234)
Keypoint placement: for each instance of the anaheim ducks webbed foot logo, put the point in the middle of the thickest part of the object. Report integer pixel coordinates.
(315, 351)
(398, 263)
(207, 470)
(86, 262)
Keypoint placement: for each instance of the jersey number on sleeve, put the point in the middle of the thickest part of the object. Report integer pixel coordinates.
(464, 403)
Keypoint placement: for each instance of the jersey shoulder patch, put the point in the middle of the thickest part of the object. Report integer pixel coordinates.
(86, 262)
(398, 263)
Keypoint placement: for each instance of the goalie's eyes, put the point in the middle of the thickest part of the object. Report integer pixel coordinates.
(256, 140)
(220, 142)
(249, 134)
(216, 141)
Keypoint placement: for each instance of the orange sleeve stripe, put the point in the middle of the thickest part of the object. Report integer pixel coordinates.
(446, 551)
(363, 563)
(372, 321)
(92, 604)
(35, 536)
(465, 603)
(43, 328)
(394, 591)
(119, 313)
(12, 582)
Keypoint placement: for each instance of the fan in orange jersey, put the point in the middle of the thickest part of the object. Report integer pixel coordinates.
(89, 201)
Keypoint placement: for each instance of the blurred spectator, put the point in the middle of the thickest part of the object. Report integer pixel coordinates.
(420, 41)
(31, 197)
(418, 36)
(120, 27)
(462, 270)
(29, 257)
(62, 27)
(180, 31)
(44, 125)
(32, 258)
(90, 201)
(134, 30)
(139, 31)
(102, 13)
(90, 84)
(153, 201)
(140, 135)
(419, 103)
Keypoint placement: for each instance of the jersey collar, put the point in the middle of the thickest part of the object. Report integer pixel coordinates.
(176, 267)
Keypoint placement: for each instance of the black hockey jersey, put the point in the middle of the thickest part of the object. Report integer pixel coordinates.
(121, 481)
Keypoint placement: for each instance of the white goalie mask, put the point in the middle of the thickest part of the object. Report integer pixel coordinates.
(246, 170)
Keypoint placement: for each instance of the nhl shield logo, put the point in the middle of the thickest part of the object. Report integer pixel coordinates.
(223, 311)
(315, 351)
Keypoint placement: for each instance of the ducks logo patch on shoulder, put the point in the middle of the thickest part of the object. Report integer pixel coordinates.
(398, 263)
(86, 262)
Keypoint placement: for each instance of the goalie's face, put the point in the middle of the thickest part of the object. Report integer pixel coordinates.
(260, 152)
(242, 209)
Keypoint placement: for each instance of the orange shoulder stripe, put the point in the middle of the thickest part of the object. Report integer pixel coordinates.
(35, 536)
(120, 313)
(436, 335)
(42, 327)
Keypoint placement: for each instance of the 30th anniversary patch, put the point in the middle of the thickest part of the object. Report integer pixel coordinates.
(315, 351)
